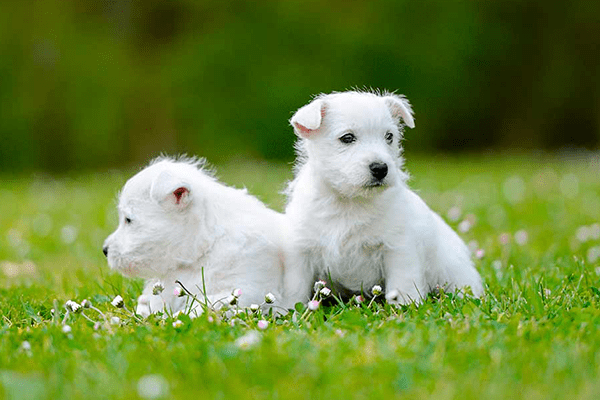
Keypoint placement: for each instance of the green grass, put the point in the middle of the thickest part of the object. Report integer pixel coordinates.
(535, 334)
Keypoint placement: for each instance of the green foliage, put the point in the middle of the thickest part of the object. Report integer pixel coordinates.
(95, 84)
(534, 335)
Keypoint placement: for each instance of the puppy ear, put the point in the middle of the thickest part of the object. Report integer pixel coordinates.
(307, 120)
(400, 108)
(170, 191)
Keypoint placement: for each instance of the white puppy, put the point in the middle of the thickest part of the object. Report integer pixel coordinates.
(353, 218)
(176, 222)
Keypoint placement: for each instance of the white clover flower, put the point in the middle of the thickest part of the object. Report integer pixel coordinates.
(464, 226)
(26, 346)
(115, 321)
(86, 303)
(157, 288)
(247, 341)
(118, 301)
(178, 292)
(313, 305)
(177, 324)
(504, 238)
(521, 237)
(73, 306)
(231, 300)
(325, 292)
(376, 290)
(270, 298)
(152, 387)
(262, 324)
(254, 307)
(454, 213)
(319, 285)
(236, 292)
(66, 329)
(479, 254)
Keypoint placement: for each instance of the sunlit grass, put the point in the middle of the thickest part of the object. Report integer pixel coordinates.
(531, 220)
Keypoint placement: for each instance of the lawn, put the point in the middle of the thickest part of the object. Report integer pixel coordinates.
(531, 220)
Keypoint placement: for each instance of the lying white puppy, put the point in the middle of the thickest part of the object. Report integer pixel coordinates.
(176, 222)
(352, 216)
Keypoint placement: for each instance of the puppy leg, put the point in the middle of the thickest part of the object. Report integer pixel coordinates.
(404, 278)
(297, 280)
(148, 303)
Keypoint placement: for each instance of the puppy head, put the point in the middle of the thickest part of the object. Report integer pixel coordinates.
(352, 140)
(159, 214)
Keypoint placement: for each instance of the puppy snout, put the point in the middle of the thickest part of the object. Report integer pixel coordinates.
(379, 170)
(105, 250)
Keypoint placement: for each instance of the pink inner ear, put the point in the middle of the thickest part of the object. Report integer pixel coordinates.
(304, 131)
(179, 193)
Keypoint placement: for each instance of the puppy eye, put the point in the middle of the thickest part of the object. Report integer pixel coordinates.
(389, 137)
(348, 138)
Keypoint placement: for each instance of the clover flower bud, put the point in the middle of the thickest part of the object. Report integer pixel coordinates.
(178, 291)
(254, 307)
(270, 298)
(236, 292)
(319, 285)
(66, 329)
(86, 303)
(178, 324)
(359, 299)
(118, 301)
(262, 324)
(157, 288)
(231, 300)
(325, 292)
(376, 290)
(26, 346)
(115, 321)
(73, 306)
(313, 305)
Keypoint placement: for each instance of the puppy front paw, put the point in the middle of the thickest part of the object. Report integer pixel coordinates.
(403, 298)
(143, 306)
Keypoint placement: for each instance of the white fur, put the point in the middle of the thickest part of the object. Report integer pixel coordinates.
(184, 221)
(359, 232)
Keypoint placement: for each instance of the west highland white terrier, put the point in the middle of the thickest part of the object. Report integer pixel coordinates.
(177, 222)
(352, 217)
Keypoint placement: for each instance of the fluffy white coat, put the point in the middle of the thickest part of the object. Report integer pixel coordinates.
(177, 222)
(352, 226)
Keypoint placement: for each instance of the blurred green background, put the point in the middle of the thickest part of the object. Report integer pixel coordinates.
(94, 84)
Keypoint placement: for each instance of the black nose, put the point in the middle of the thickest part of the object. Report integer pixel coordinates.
(378, 170)
(105, 251)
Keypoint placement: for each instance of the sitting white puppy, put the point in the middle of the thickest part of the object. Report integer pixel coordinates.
(176, 222)
(352, 217)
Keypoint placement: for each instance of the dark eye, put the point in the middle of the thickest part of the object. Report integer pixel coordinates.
(389, 137)
(127, 220)
(348, 138)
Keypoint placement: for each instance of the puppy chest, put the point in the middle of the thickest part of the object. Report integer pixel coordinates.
(350, 264)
